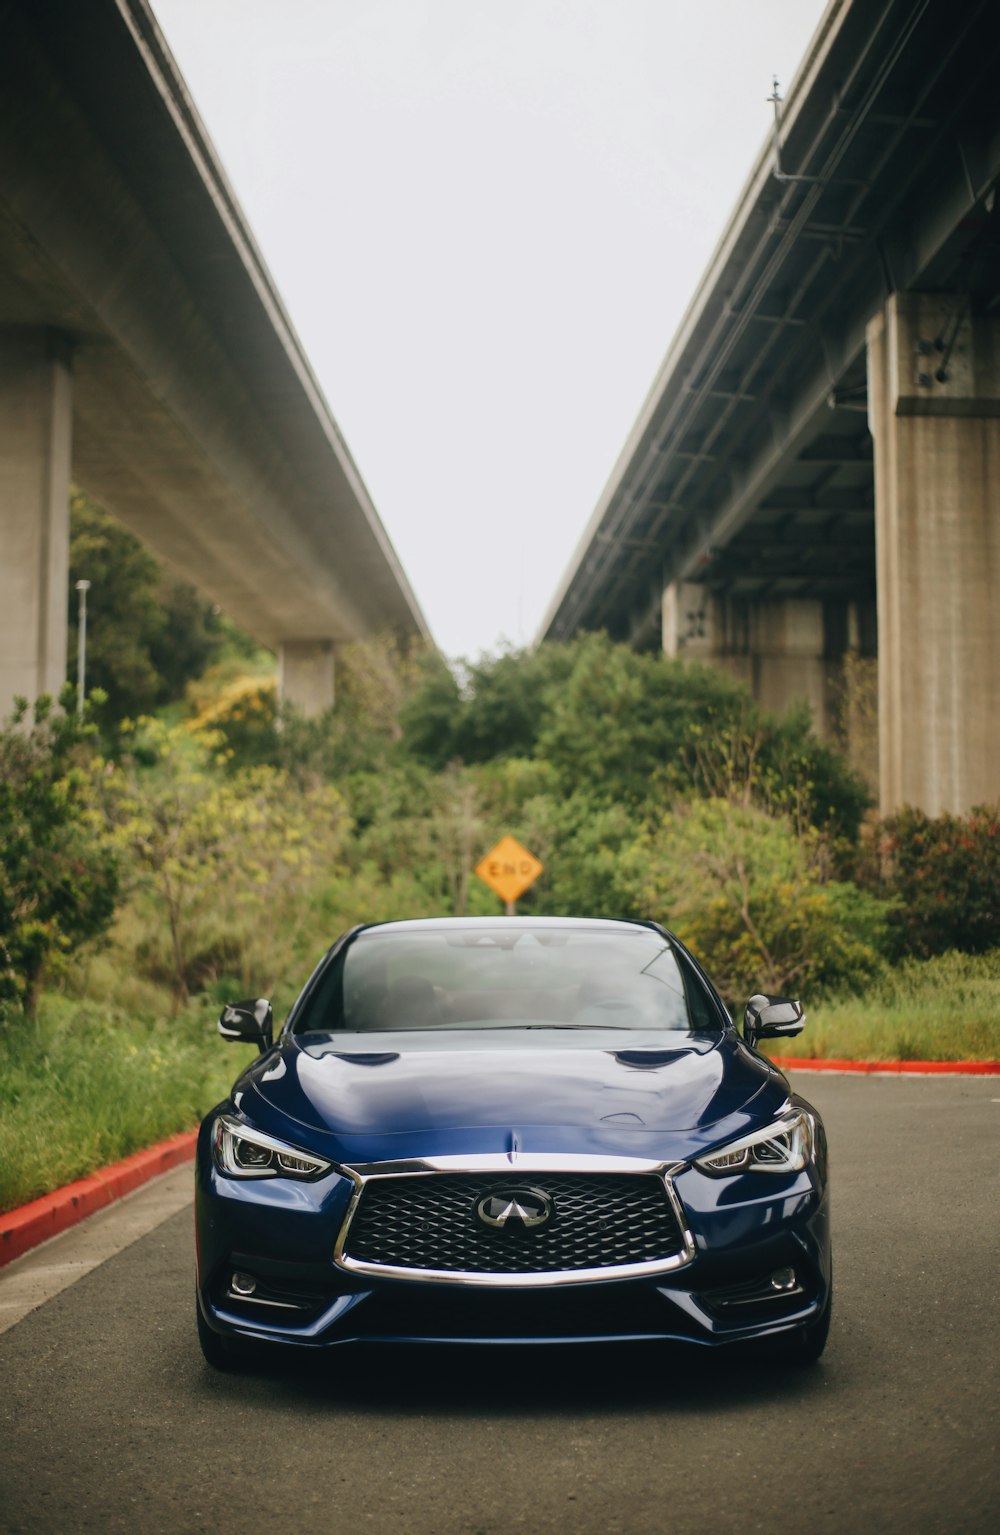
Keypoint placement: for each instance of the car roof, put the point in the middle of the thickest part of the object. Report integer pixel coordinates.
(578, 924)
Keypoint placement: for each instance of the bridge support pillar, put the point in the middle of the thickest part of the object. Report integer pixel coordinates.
(788, 651)
(934, 412)
(306, 675)
(691, 622)
(35, 436)
(788, 659)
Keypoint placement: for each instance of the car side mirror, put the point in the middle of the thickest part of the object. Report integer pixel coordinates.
(251, 1020)
(771, 1017)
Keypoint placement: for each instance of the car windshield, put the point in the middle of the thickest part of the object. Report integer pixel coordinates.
(508, 977)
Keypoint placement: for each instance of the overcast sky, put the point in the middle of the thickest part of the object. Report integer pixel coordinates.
(485, 221)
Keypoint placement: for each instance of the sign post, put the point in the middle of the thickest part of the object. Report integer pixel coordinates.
(509, 869)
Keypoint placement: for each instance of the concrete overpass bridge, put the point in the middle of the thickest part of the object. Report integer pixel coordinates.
(814, 479)
(145, 351)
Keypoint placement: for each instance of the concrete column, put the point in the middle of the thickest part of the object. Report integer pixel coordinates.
(35, 435)
(788, 652)
(306, 675)
(689, 622)
(935, 419)
(785, 650)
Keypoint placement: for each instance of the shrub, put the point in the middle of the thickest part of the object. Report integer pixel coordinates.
(227, 865)
(776, 762)
(944, 872)
(623, 724)
(241, 721)
(58, 870)
(750, 895)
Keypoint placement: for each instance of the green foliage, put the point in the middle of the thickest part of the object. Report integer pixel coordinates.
(944, 872)
(426, 826)
(507, 699)
(632, 729)
(58, 871)
(85, 1084)
(942, 1009)
(147, 634)
(623, 725)
(580, 839)
(751, 896)
(429, 719)
(241, 724)
(776, 761)
(361, 733)
(225, 866)
(587, 872)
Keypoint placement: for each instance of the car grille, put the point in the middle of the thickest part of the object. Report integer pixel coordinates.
(429, 1222)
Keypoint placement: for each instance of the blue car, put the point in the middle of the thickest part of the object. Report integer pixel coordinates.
(513, 1130)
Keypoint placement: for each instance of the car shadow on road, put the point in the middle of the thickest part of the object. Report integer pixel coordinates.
(519, 1381)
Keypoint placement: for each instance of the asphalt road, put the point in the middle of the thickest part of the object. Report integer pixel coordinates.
(110, 1421)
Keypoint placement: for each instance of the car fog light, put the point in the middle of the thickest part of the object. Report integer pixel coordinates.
(783, 1280)
(244, 1284)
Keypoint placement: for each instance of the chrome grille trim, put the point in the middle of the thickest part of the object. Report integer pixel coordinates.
(514, 1163)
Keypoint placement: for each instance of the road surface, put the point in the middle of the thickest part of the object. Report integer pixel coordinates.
(110, 1421)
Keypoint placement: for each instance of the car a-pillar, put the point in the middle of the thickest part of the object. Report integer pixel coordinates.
(306, 675)
(36, 419)
(934, 414)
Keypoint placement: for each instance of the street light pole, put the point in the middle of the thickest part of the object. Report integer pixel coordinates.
(83, 587)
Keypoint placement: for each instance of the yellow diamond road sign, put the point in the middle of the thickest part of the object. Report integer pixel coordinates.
(509, 869)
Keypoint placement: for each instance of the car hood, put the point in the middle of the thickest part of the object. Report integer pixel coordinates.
(454, 1092)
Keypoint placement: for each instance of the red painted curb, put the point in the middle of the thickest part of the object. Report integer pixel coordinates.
(24, 1228)
(918, 1068)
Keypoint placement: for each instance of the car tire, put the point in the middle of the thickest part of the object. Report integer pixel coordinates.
(221, 1353)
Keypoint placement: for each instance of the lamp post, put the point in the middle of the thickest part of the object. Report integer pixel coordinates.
(83, 587)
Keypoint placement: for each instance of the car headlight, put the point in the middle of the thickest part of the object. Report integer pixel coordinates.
(242, 1152)
(782, 1147)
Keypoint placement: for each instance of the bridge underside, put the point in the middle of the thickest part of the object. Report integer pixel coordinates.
(759, 515)
(145, 351)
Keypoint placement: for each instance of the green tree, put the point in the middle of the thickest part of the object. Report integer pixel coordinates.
(638, 729)
(623, 724)
(507, 700)
(58, 871)
(752, 896)
(147, 634)
(226, 866)
(430, 717)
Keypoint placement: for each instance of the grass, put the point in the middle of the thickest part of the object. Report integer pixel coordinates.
(88, 1082)
(79, 1089)
(944, 1009)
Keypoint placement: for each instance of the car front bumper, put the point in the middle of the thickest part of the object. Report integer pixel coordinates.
(742, 1232)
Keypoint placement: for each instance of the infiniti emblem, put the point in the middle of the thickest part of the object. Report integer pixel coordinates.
(530, 1207)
